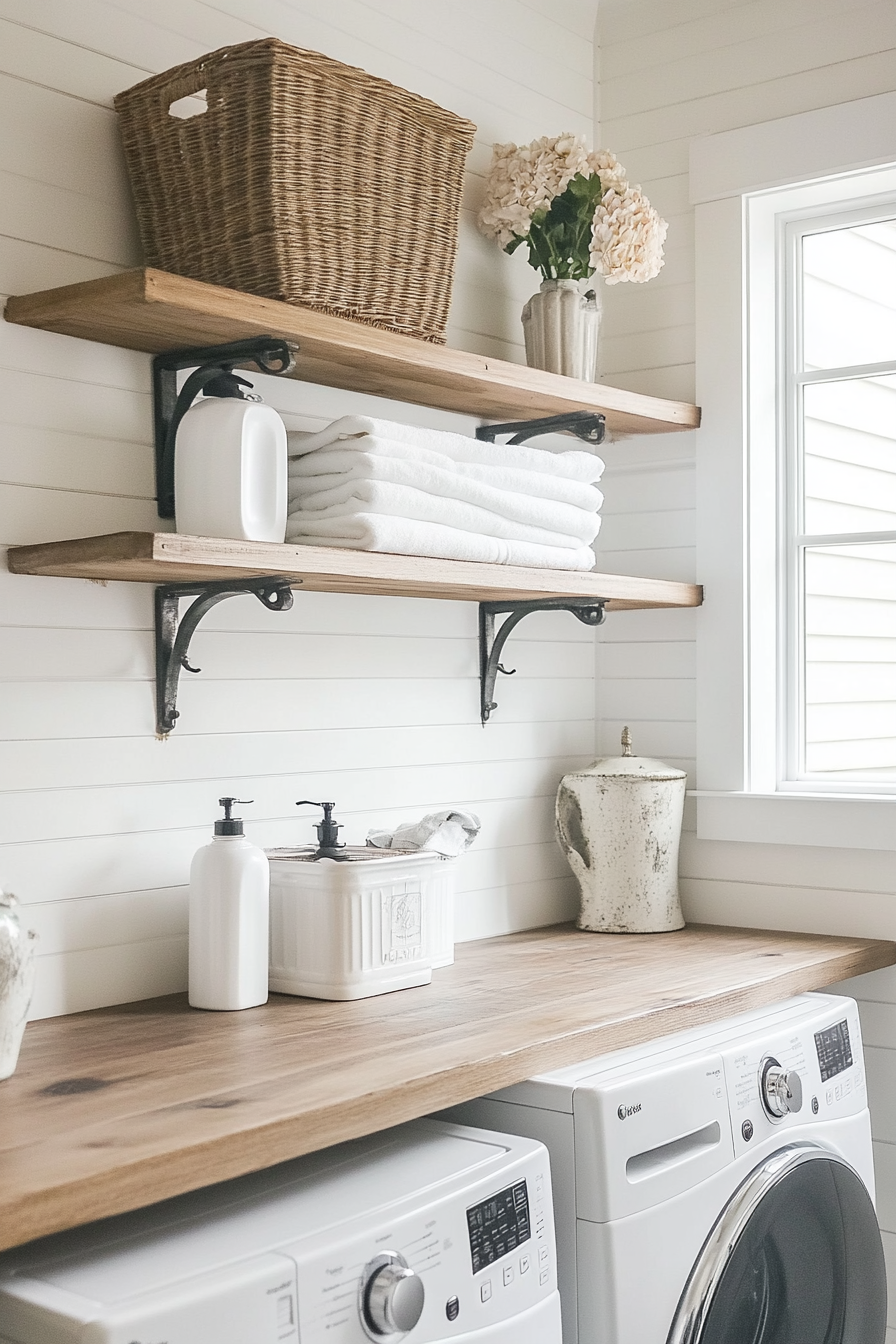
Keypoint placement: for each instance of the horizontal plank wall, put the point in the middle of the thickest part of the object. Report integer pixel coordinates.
(372, 702)
(669, 73)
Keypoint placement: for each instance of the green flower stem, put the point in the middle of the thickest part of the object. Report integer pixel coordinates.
(559, 238)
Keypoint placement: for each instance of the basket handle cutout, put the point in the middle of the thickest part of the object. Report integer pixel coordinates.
(193, 105)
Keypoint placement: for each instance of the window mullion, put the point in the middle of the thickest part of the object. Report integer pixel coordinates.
(805, 377)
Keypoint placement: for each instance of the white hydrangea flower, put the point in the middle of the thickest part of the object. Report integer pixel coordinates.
(523, 179)
(627, 236)
(608, 168)
(627, 233)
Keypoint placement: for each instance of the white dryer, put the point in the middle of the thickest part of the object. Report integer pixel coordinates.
(429, 1233)
(715, 1186)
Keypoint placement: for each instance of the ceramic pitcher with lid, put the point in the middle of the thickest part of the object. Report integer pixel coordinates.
(619, 825)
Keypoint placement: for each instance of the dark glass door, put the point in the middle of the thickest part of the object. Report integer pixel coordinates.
(795, 1258)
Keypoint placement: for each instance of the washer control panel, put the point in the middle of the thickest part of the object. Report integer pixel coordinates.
(803, 1072)
(458, 1265)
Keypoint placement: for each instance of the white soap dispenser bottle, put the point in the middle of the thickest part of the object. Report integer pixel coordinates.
(229, 899)
(230, 465)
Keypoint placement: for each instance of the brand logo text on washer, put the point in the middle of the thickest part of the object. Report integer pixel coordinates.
(625, 1111)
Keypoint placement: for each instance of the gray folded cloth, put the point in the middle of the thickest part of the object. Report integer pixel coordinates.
(449, 833)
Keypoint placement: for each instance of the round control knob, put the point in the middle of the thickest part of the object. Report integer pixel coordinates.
(781, 1089)
(391, 1297)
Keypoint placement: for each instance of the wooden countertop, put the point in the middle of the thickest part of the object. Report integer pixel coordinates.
(114, 1109)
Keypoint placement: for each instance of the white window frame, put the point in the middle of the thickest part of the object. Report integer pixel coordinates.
(745, 184)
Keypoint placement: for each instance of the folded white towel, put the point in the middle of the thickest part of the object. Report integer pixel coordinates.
(388, 460)
(407, 536)
(447, 493)
(577, 466)
(403, 501)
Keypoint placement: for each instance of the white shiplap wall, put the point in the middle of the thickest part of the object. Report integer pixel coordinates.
(372, 702)
(669, 73)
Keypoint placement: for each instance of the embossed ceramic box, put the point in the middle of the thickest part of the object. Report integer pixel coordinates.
(373, 922)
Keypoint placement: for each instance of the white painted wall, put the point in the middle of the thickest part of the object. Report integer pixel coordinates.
(669, 73)
(372, 702)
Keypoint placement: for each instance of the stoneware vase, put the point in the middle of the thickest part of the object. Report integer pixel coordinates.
(561, 326)
(619, 825)
(17, 949)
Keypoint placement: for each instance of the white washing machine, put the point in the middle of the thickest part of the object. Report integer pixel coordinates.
(715, 1186)
(426, 1233)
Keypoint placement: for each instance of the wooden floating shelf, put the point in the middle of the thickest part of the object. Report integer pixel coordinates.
(168, 557)
(155, 311)
(114, 1109)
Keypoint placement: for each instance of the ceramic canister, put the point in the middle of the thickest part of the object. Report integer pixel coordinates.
(17, 949)
(619, 825)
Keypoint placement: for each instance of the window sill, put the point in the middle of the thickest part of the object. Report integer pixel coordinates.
(840, 821)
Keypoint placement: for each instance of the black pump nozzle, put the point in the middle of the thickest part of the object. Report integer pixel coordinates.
(327, 830)
(228, 384)
(230, 825)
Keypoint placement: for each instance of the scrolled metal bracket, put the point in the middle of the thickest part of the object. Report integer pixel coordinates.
(269, 354)
(173, 633)
(590, 426)
(492, 641)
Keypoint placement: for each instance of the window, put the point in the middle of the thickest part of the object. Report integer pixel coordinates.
(796, 478)
(837, 431)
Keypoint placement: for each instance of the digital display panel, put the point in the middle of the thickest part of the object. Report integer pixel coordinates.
(833, 1049)
(498, 1225)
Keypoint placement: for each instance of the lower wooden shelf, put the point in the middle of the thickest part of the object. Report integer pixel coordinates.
(115, 1109)
(167, 557)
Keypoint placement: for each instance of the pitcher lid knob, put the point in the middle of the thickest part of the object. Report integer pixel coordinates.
(626, 742)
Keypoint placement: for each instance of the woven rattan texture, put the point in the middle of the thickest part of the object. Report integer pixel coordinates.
(306, 180)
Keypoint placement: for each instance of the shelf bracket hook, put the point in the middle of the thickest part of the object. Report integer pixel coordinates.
(269, 354)
(588, 610)
(590, 426)
(173, 633)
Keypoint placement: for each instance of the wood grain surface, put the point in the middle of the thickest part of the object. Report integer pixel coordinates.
(167, 557)
(114, 1109)
(154, 311)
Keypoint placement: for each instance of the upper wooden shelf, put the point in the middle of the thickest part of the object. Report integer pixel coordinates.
(168, 557)
(155, 311)
(115, 1109)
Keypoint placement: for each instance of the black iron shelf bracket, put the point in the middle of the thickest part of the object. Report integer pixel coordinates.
(492, 640)
(173, 633)
(589, 426)
(269, 354)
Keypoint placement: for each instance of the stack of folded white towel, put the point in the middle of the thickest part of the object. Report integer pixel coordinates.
(374, 485)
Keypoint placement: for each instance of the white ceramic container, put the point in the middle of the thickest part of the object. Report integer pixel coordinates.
(17, 952)
(619, 825)
(369, 924)
(561, 327)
